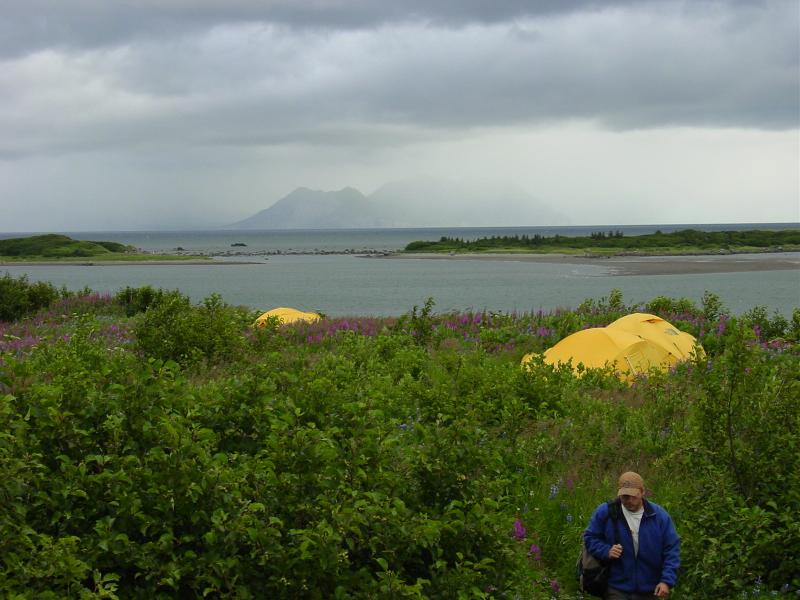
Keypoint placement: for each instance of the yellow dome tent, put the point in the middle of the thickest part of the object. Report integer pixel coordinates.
(287, 316)
(661, 332)
(632, 344)
(595, 348)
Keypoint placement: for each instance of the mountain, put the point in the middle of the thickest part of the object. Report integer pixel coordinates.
(314, 209)
(417, 203)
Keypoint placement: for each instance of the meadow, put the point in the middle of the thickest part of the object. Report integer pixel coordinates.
(155, 448)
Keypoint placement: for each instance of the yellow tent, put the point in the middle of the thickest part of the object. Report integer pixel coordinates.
(595, 348)
(287, 316)
(655, 329)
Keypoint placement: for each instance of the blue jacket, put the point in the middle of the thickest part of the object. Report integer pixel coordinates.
(659, 549)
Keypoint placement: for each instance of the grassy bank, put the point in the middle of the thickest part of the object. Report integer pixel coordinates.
(153, 448)
(688, 241)
(102, 259)
(56, 248)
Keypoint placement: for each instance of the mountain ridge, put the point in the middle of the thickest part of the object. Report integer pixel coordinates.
(403, 204)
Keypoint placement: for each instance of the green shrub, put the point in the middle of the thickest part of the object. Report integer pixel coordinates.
(18, 297)
(174, 329)
(316, 461)
(767, 328)
(136, 300)
(741, 459)
(662, 305)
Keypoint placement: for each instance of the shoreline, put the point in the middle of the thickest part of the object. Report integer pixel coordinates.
(617, 265)
(132, 263)
(683, 264)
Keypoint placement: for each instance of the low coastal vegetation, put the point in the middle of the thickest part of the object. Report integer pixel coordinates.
(61, 248)
(687, 241)
(155, 448)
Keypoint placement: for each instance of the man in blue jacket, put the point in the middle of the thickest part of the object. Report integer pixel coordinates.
(640, 544)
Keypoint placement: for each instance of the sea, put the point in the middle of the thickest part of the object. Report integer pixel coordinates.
(340, 273)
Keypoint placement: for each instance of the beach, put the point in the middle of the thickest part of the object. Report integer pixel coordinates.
(617, 265)
(641, 265)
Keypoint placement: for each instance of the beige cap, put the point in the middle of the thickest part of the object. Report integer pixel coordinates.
(630, 484)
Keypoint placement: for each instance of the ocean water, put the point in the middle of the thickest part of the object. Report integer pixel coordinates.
(341, 284)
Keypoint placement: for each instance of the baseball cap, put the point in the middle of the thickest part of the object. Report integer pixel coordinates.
(630, 484)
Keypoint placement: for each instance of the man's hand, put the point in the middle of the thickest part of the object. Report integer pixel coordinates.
(616, 551)
(662, 590)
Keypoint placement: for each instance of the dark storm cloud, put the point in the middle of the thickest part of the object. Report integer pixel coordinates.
(29, 25)
(128, 74)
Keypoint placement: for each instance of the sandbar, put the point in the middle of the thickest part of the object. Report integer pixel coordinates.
(642, 265)
(128, 263)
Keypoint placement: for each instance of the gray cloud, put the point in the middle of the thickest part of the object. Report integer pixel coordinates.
(29, 25)
(188, 101)
(251, 83)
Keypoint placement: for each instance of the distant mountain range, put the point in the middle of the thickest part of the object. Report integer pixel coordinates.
(404, 204)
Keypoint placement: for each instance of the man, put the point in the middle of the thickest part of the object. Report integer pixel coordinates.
(641, 544)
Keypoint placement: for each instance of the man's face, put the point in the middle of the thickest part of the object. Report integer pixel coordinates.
(632, 503)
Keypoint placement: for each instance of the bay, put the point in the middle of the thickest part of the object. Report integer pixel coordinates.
(346, 284)
(350, 285)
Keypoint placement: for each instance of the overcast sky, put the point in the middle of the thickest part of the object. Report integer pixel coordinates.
(153, 114)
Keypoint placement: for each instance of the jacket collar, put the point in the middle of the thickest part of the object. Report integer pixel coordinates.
(649, 510)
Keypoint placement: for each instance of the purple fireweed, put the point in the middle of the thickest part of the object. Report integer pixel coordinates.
(327, 328)
(722, 325)
(535, 552)
(777, 344)
(17, 345)
(519, 530)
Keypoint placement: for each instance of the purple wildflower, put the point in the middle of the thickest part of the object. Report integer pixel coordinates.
(535, 552)
(519, 530)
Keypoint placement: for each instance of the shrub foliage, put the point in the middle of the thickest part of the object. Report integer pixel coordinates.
(19, 297)
(152, 448)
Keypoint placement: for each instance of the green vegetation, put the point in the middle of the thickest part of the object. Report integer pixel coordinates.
(57, 246)
(687, 241)
(18, 297)
(61, 248)
(153, 448)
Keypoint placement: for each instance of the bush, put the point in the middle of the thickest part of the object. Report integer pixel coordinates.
(136, 300)
(741, 460)
(363, 458)
(18, 297)
(173, 329)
